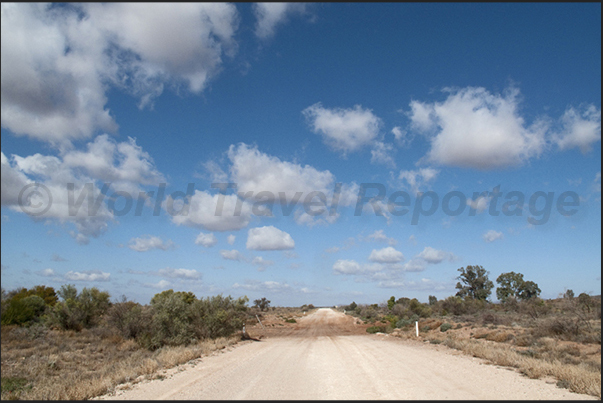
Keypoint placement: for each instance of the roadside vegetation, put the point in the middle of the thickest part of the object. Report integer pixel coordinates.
(70, 344)
(558, 338)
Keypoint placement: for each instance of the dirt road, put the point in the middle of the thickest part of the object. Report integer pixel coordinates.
(322, 358)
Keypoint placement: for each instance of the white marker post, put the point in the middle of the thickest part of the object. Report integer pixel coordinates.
(417, 327)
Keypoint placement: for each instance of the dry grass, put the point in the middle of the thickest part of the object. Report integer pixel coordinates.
(69, 365)
(576, 367)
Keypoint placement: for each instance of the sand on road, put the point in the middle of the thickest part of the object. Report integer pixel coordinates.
(322, 358)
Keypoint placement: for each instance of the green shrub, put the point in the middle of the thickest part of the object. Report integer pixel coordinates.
(290, 320)
(78, 311)
(445, 327)
(375, 329)
(129, 318)
(14, 385)
(20, 311)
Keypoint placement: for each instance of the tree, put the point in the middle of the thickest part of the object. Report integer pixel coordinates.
(262, 304)
(391, 302)
(569, 294)
(475, 283)
(512, 285)
(433, 300)
(528, 290)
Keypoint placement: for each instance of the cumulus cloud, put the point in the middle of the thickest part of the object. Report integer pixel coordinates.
(480, 203)
(492, 236)
(232, 255)
(580, 128)
(350, 267)
(255, 171)
(477, 129)
(46, 273)
(434, 256)
(202, 212)
(230, 239)
(51, 194)
(125, 166)
(386, 255)
(269, 15)
(380, 236)
(54, 89)
(418, 179)
(207, 240)
(344, 130)
(146, 243)
(161, 285)
(261, 262)
(87, 275)
(415, 264)
(269, 238)
(187, 274)
(382, 154)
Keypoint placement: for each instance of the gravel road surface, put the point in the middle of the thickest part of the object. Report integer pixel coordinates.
(322, 358)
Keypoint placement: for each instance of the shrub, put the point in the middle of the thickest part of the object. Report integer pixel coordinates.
(375, 329)
(78, 311)
(171, 322)
(445, 327)
(219, 316)
(20, 311)
(290, 320)
(129, 318)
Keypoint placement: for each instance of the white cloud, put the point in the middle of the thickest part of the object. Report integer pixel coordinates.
(580, 128)
(187, 274)
(492, 236)
(124, 165)
(87, 275)
(476, 129)
(382, 154)
(402, 137)
(232, 255)
(255, 171)
(207, 240)
(386, 255)
(144, 244)
(46, 273)
(415, 264)
(230, 239)
(202, 212)
(162, 284)
(380, 236)
(345, 130)
(418, 179)
(269, 238)
(269, 15)
(54, 89)
(349, 267)
(480, 203)
(434, 256)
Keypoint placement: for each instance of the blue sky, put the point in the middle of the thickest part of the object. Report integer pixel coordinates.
(425, 99)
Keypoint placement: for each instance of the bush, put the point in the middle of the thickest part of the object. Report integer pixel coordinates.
(445, 327)
(20, 311)
(375, 329)
(78, 311)
(129, 318)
